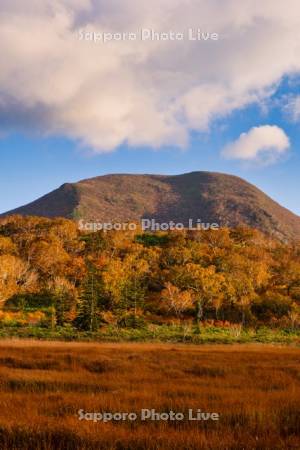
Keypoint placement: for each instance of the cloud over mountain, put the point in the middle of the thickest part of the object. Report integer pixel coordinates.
(144, 93)
(265, 143)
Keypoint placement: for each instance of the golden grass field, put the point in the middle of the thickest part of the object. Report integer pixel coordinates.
(254, 388)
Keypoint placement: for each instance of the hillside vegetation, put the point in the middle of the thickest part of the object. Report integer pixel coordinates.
(55, 277)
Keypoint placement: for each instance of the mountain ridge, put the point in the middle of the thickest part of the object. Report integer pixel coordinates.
(211, 197)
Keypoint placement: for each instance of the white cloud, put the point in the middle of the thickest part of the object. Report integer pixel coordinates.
(142, 93)
(262, 144)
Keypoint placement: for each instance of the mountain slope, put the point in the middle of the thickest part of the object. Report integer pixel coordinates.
(210, 197)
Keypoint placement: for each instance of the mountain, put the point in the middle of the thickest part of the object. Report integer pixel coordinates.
(211, 197)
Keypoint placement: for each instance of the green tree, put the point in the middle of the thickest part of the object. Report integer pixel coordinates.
(88, 309)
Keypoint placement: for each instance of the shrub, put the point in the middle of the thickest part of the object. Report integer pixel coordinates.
(271, 304)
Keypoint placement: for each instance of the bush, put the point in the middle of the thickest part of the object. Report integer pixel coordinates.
(272, 304)
(131, 321)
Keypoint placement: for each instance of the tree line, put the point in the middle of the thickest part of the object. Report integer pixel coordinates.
(130, 278)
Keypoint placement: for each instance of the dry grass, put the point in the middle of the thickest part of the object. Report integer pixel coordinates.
(256, 390)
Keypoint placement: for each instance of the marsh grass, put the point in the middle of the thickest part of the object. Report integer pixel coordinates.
(254, 388)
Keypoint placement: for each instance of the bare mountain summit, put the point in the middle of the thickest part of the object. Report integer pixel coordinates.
(210, 197)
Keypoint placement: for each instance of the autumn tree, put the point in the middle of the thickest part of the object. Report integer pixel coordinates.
(243, 292)
(124, 282)
(205, 284)
(15, 277)
(64, 299)
(176, 300)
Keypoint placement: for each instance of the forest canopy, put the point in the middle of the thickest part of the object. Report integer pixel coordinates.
(53, 274)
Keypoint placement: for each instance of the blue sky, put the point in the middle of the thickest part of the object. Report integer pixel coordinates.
(73, 108)
(31, 167)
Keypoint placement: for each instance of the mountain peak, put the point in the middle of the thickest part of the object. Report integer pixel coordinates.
(208, 196)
